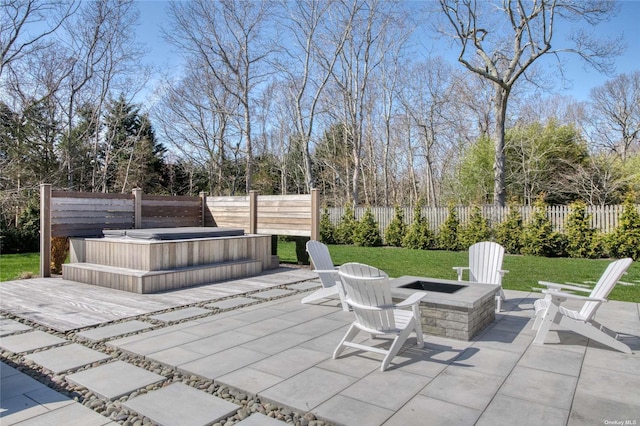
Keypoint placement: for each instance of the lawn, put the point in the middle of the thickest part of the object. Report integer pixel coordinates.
(13, 266)
(524, 271)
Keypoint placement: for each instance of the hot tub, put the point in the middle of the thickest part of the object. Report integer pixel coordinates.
(169, 234)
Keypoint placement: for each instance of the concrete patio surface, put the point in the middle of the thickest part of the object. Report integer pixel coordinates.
(265, 343)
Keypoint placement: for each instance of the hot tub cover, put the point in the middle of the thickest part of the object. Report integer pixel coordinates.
(185, 233)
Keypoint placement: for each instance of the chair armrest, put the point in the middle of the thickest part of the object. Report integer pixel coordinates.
(412, 300)
(325, 271)
(460, 269)
(551, 285)
(503, 271)
(573, 296)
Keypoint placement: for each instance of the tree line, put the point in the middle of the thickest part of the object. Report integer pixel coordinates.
(348, 96)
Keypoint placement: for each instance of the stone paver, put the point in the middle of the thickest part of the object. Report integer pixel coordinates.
(231, 303)
(29, 341)
(513, 411)
(9, 326)
(276, 292)
(180, 314)
(305, 285)
(257, 419)
(72, 414)
(111, 381)
(179, 404)
(114, 330)
(66, 357)
(429, 411)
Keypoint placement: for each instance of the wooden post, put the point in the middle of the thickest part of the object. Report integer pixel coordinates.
(253, 212)
(315, 214)
(203, 208)
(137, 208)
(45, 230)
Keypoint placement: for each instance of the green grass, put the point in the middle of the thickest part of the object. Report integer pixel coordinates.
(524, 271)
(13, 266)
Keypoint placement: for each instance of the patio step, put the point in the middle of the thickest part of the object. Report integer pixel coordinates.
(140, 281)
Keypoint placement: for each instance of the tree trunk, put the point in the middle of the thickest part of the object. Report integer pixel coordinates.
(500, 105)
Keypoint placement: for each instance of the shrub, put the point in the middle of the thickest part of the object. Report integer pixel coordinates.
(346, 227)
(509, 232)
(366, 232)
(25, 237)
(581, 237)
(625, 239)
(327, 230)
(418, 235)
(59, 250)
(448, 238)
(476, 230)
(538, 236)
(396, 230)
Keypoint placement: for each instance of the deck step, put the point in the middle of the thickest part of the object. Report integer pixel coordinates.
(140, 281)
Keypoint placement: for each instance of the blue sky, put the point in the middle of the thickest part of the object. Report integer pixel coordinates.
(582, 78)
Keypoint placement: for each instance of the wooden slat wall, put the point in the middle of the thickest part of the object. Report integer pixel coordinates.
(78, 214)
(232, 212)
(285, 215)
(163, 212)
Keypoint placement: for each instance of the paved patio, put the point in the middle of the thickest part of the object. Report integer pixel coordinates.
(280, 351)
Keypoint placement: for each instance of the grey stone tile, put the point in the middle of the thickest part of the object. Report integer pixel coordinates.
(505, 410)
(487, 361)
(179, 404)
(249, 380)
(542, 357)
(114, 380)
(504, 341)
(542, 387)
(9, 326)
(347, 411)
(306, 285)
(311, 312)
(217, 343)
(180, 314)
(464, 387)
(428, 361)
(268, 294)
(610, 385)
(598, 408)
(254, 315)
(148, 345)
(405, 386)
(221, 363)
(277, 342)
(66, 357)
(428, 411)
(308, 389)
(17, 384)
(175, 356)
(76, 414)
(290, 362)
(565, 340)
(211, 328)
(6, 370)
(354, 366)
(612, 360)
(114, 330)
(19, 408)
(29, 341)
(327, 342)
(231, 303)
(258, 419)
(152, 333)
(268, 326)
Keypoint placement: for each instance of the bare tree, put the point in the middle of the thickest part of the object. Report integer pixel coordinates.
(501, 40)
(616, 113)
(25, 25)
(230, 38)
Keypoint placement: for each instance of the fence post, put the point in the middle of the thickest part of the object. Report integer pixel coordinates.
(45, 230)
(203, 208)
(315, 214)
(137, 208)
(253, 212)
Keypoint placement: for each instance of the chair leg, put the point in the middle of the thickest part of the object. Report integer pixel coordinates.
(592, 333)
(418, 327)
(351, 333)
(545, 324)
(498, 303)
(396, 346)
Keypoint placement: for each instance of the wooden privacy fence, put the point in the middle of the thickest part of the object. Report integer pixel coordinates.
(603, 218)
(86, 214)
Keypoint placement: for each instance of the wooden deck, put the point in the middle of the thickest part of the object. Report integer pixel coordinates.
(67, 305)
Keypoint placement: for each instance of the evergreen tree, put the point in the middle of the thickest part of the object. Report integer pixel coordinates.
(396, 230)
(367, 232)
(418, 235)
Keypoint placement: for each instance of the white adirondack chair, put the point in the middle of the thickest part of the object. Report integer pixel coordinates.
(550, 310)
(485, 266)
(368, 293)
(323, 266)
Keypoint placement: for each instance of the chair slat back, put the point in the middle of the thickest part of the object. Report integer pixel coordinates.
(605, 284)
(368, 286)
(321, 259)
(485, 259)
